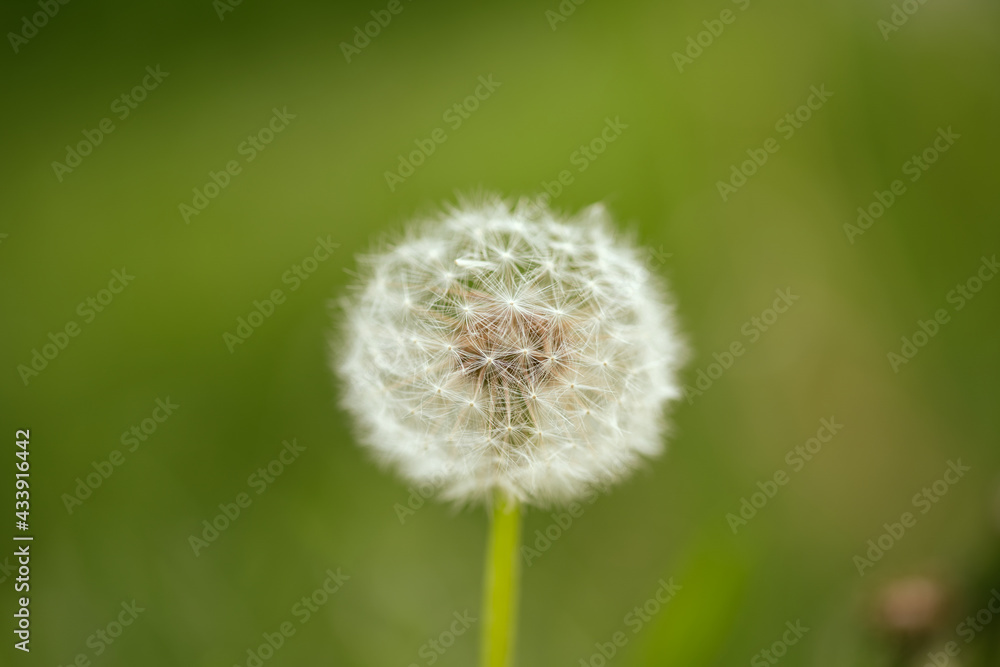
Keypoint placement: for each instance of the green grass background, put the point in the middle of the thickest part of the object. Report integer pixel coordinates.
(324, 175)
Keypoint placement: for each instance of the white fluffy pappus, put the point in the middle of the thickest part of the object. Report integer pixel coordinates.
(500, 347)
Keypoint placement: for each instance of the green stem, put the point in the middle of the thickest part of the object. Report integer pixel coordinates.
(500, 584)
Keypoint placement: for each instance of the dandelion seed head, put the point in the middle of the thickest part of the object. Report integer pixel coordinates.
(502, 347)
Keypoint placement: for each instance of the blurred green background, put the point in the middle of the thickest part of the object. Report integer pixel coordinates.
(323, 176)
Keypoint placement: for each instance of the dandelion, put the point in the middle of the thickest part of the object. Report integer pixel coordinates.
(509, 356)
(910, 612)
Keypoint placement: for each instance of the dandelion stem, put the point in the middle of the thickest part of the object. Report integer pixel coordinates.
(500, 584)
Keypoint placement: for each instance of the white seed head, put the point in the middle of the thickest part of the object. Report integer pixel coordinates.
(499, 347)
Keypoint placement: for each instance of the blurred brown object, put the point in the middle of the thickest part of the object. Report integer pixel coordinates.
(913, 607)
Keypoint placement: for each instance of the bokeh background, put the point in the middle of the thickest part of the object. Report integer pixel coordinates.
(323, 176)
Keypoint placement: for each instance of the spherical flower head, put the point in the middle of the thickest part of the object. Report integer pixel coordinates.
(501, 348)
